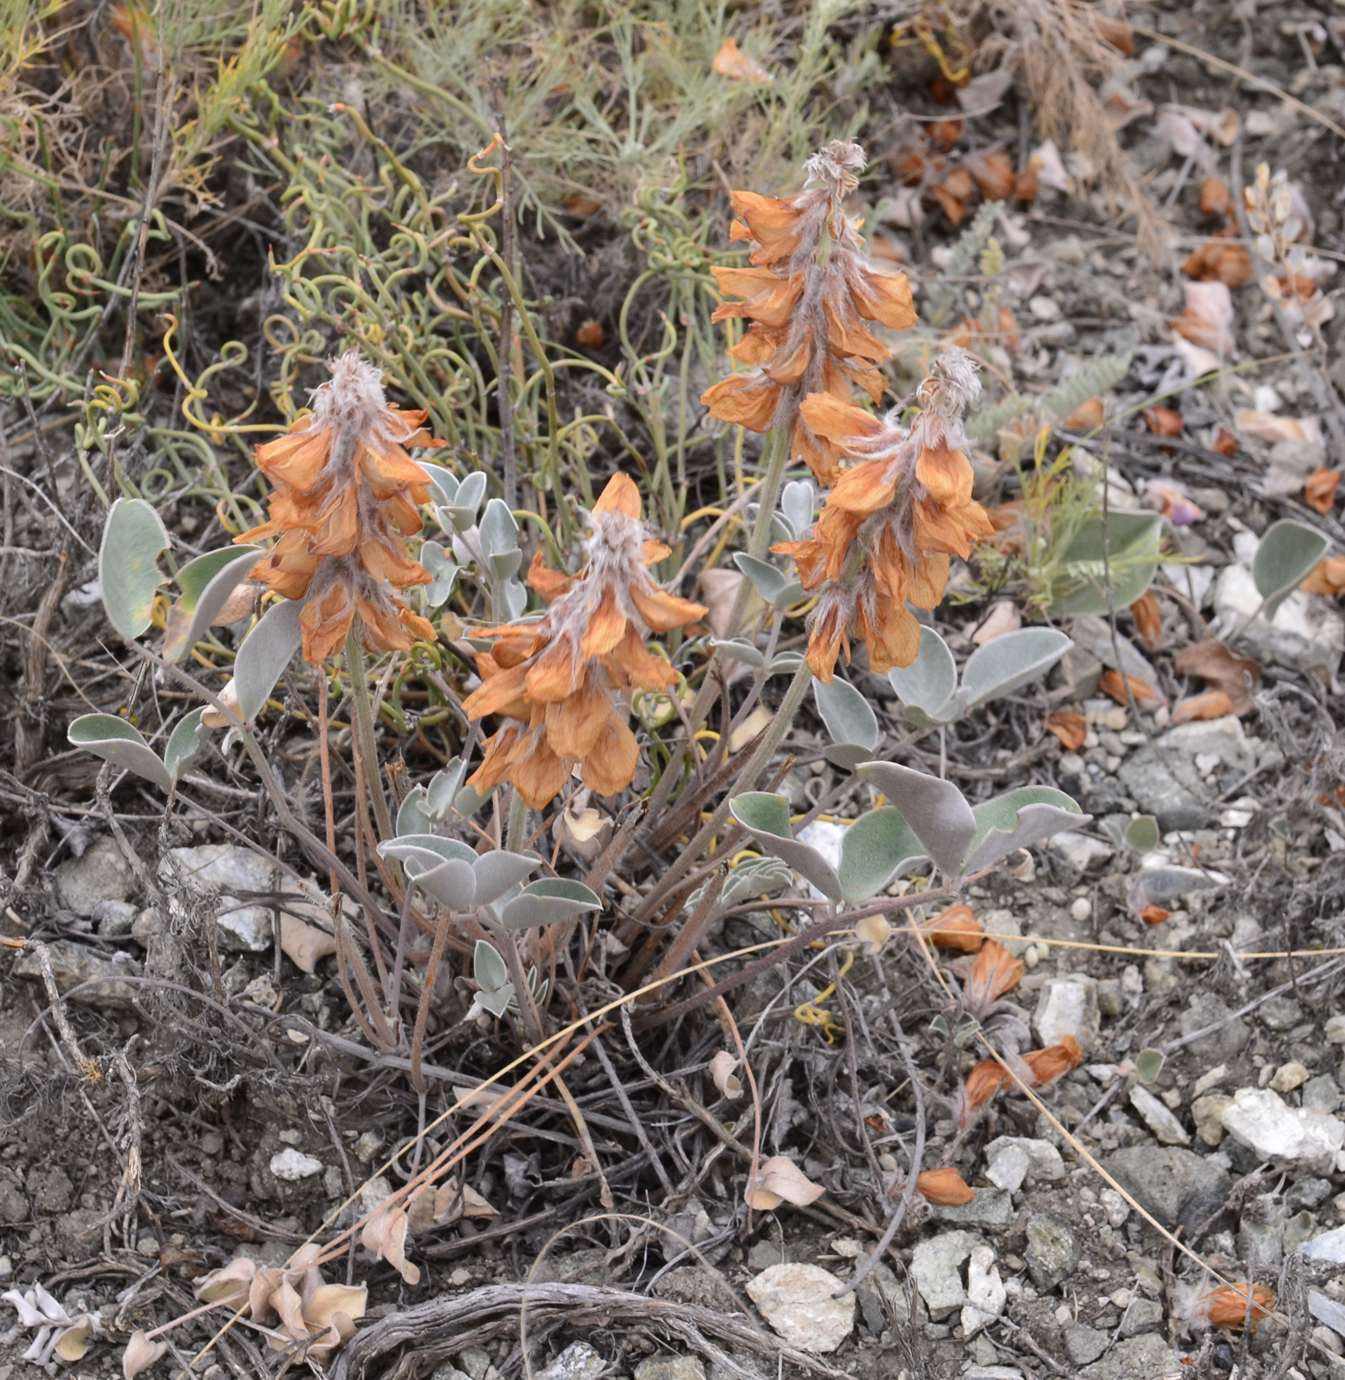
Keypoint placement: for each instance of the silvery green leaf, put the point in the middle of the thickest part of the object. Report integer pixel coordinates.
(1130, 542)
(499, 870)
(1149, 1064)
(1284, 559)
(785, 664)
(263, 655)
(755, 877)
(444, 483)
(547, 902)
(206, 584)
(1009, 662)
(183, 743)
(413, 815)
(116, 741)
(771, 583)
(1141, 834)
(499, 531)
(936, 810)
(848, 717)
(876, 847)
(442, 867)
(766, 818)
(445, 788)
(443, 573)
(1018, 819)
(930, 681)
(488, 968)
(128, 573)
(798, 503)
(496, 1001)
(504, 565)
(471, 491)
(737, 650)
(1162, 884)
(515, 596)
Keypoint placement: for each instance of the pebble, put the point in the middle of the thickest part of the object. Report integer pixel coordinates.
(99, 874)
(671, 1368)
(1208, 1112)
(1053, 1250)
(229, 872)
(1209, 1080)
(292, 1165)
(986, 1295)
(1044, 1164)
(1177, 1186)
(1141, 1315)
(1264, 1122)
(797, 1301)
(1146, 1355)
(1068, 1006)
(579, 1361)
(1116, 1207)
(936, 1269)
(991, 1207)
(1329, 1247)
(73, 965)
(1165, 1126)
(1288, 1077)
(1085, 1344)
(1305, 633)
(1081, 851)
(1335, 1030)
(1008, 1167)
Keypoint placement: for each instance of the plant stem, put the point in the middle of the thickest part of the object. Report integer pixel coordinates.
(775, 454)
(747, 779)
(516, 824)
(363, 721)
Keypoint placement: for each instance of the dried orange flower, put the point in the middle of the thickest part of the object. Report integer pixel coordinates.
(559, 681)
(1054, 1061)
(1069, 726)
(343, 507)
(954, 928)
(1038, 1068)
(994, 972)
(808, 292)
(1327, 577)
(944, 1187)
(891, 522)
(1227, 1306)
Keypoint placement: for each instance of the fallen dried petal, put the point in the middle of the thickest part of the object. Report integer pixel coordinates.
(1320, 490)
(955, 928)
(1148, 620)
(1163, 421)
(730, 61)
(944, 1187)
(1210, 704)
(1154, 915)
(1116, 683)
(780, 1180)
(1227, 1306)
(721, 1071)
(1070, 726)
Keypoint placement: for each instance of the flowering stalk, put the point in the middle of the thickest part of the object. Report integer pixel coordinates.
(345, 502)
(808, 291)
(561, 683)
(891, 522)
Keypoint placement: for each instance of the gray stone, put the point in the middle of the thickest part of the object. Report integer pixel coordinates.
(578, 1361)
(1177, 1186)
(1321, 1094)
(1157, 1117)
(292, 1165)
(1053, 1250)
(992, 1373)
(100, 873)
(1068, 1006)
(1327, 1310)
(798, 1302)
(670, 1368)
(1261, 1235)
(230, 874)
(1044, 1164)
(1007, 1167)
(1085, 1344)
(114, 918)
(1328, 1248)
(1228, 1036)
(1081, 851)
(936, 1268)
(1306, 632)
(1266, 1124)
(1141, 1315)
(991, 1207)
(1166, 778)
(73, 965)
(1143, 1357)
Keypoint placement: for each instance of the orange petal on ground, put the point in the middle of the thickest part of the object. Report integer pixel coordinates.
(886, 298)
(551, 677)
(837, 420)
(610, 766)
(1154, 915)
(662, 612)
(955, 928)
(994, 972)
(1054, 1061)
(1320, 490)
(944, 1187)
(606, 626)
(1070, 726)
(548, 583)
(575, 724)
(619, 496)
(1227, 1306)
(1209, 704)
(1148, 620)
(984, 1081)
(1114, 683)
(946, 475)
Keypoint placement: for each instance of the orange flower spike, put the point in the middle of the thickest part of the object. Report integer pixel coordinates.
(808, 293)
(891, 521)
(343, 505)
(561, 681)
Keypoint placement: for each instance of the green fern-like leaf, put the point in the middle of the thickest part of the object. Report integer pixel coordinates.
(1095, 379)
(963, 262)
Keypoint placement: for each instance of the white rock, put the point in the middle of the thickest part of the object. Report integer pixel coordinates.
(1068, 1006)
(292, 1165)
(99, 874)
(579, 1361)
(1044, 1162)
(1080, 851)
(1116, 1207)
(986, 1294)
(1262, 1120)
(936, 1268)
(1335, 1030)
(1306, 633)
(1080, 908)
(1329, 1247)
(796, 1300)
(1007, 1167)
(228, 872)
(1208, 1112)
(1157, 1118)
